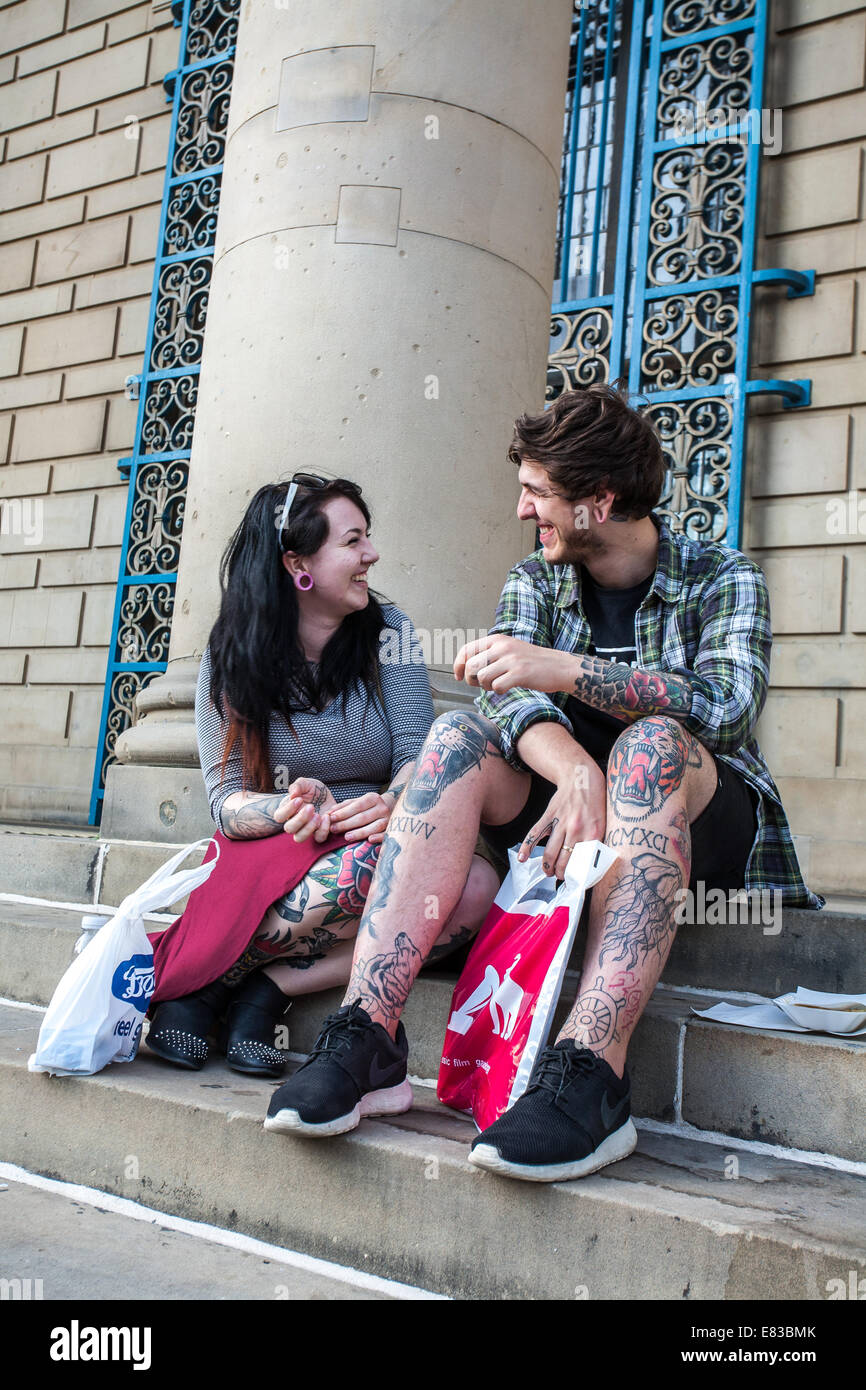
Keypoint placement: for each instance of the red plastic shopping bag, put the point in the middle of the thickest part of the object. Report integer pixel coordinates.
(503, 1003)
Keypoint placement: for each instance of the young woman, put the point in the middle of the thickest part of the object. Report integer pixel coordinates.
(301, 721)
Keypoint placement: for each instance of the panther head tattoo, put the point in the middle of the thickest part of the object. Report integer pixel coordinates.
(456, 745)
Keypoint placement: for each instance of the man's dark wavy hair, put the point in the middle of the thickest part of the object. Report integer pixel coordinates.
(592, 439)
(258, 666)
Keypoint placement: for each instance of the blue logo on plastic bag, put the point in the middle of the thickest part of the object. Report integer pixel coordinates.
(133, 981)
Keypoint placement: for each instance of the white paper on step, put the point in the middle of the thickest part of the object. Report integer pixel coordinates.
(767, 1013)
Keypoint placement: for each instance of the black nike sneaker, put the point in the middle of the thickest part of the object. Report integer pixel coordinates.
(573, 1118)
(354, 1070)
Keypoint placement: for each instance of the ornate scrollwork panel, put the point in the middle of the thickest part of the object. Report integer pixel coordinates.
(213, 29)
(696, 226)
(157, 517)
(696, 441)
(191, 215)
(702, 85)
(145, 622)
(181, 309)
(124, 687)
(202, 118)
(690, 339)
(169, 410)
(688, 16)
(579, 349)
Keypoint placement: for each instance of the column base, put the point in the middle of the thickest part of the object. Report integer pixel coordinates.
(163, 804)
(155, 790)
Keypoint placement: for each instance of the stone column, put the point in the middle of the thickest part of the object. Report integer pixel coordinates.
(379, 309)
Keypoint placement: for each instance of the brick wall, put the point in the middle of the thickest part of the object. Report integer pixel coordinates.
(84, 128)
(804, 467)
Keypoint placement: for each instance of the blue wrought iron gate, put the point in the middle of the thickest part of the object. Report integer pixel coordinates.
(657, 227)
(199, 90)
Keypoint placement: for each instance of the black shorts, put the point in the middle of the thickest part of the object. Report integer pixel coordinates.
(722, 835)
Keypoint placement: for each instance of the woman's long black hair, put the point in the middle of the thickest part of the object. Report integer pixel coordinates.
(258, 666)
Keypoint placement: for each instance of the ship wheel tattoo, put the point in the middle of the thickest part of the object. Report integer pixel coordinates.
(593, 1020)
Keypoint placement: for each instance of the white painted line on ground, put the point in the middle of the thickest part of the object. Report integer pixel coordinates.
(18, 1004)
(124, 1206)
(90, 909)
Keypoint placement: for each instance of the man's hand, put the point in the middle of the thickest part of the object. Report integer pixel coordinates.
(363, 817)
(499, 663)
(306, 809)
(577, 811)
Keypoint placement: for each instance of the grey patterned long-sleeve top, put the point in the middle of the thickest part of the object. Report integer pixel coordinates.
(352, 755)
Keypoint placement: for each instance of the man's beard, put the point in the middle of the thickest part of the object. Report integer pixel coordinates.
(579, 547)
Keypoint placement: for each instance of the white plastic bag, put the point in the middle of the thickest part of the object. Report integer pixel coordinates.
(97, 1010)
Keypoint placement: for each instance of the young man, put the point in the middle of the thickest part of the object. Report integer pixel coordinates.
(623, 677)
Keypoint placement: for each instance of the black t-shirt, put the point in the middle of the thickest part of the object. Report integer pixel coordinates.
(610, 614)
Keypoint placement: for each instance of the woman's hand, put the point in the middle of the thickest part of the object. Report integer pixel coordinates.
(364, 817)
(577, 811)
(306, 810)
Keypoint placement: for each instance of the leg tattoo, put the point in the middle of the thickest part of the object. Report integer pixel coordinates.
(458, 938)
(305, 923)
(345, 878)
(382, 983)
(639, 911)
(592, 1021)
(382, 881)
(457, 743)
(647, 764)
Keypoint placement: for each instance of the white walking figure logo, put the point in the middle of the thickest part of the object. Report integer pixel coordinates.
(504, 995)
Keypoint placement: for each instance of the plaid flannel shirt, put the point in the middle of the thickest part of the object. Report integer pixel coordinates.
(707, 617)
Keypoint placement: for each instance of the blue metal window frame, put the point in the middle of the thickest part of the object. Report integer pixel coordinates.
(129, 467)
(633, 229)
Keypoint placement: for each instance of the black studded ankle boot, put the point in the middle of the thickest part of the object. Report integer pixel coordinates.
(180, 1028)
(256, 1008)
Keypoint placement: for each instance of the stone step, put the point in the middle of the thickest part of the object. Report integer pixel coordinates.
(823, 950)
(794, 1090)
(677, 1219)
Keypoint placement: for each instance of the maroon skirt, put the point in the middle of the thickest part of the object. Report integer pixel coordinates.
(223, 913)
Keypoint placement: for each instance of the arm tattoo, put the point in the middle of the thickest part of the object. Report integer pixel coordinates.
(456, 745)
(639, 911)
(254, 820)
(629, 692)
(647, 764)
